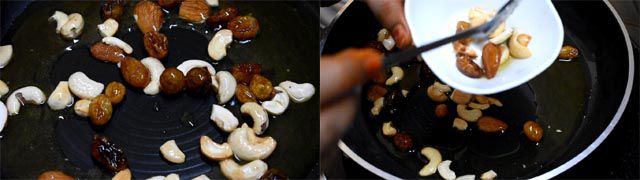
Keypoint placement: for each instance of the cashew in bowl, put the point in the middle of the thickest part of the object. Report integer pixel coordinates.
(213, 150)
(4, 89)
(114, 41)
(217, 47)
(467, 177)
(460, 97)
(397, 74)
(253, 170)
(29, 94)
(155, 70)
(471, 115)
(502, 37)
(226, 86)
(73, 27)
(108, 28)
(388, 129)
(506, 55)
(298, 92)
(478, 16)
(488, 175)
(279, 103)
(437, 92)
(223, 118)
(122, 175)
(258, 114)
(172, 152)
(83, 87)
(60, 18)
(247, 146)
(6, 52)
(82, 107)
(518, 44)
(3, 115)
(377, 106)
(60, 98)
(445, 172)
(434, 157)
(460, 124)
(196, 63)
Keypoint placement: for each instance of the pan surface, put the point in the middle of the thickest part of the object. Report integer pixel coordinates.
(39, 139)
(577, 103)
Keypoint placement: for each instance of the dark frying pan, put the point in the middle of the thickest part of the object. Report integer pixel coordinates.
(577, 103)
(39, 139)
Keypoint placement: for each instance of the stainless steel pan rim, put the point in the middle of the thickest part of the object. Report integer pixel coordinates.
(550, 174)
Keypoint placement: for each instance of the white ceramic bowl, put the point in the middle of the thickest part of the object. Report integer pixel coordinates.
(433, 20)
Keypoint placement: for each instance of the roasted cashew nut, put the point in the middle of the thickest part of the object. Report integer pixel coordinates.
(502, 37)
(226, 86)
(460, 97)
(258, 114)
(223, 118)
(471, 115)
(253, 170)
(377, 106)
(467, 177)
(60, 98)
(155, 68)
(187, 65)
(396, 75)
(506, 55)
(172, 152)
(298, 92)
(6, 52)
(478, 16)
(388, 129)
(434, 157)
(25, 95)
(83, 87)
(73, 27)
(217, 47)
(60, 18)
(82, 107)
(518, 44)
(445, 172)
(3, 115)
(247, 146)
(279, 103)
(122, 175)
(114, 41)
(437, 92)
(108, 28)
(479, 106)
(4, 89)
(213, 150)
(460, 124)
(488, 175)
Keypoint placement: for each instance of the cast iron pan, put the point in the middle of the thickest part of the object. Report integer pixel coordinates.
(577, 103)
(39, 139)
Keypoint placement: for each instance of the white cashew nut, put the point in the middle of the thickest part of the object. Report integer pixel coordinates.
(201, 177)
(253, 170)
(172, 152)
(502, 37)
(213, 150)
(6, 52)
(467, 177)
(298, 92)
(223, 118)
(386, 39)
(279, 103)
(172, 176)
(247, 146)
(226, 86)
(114, 41)
(468, 115)
(4, 89)
(213, 3)
(108, 28)
(460, 124)
(217, 47)
(377, 106)
(388, 129)
(60, 18)
(122, 175)
(258, 114)
(3, 116)
(22, 96)
(488, 175)
(436, 92)
(82, 107)
(187, 65)
(83, 87)
(397, 74)
(434, 157)
(73, 27)
(155, 68)
(506, 55)
(478, 16)
(60, 98)
(518, 44)
(445, 172)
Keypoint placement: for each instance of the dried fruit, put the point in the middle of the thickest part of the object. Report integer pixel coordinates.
(461, 26)
(156, 44)
(112, 9)
(468, 67)
(491, 54)
(198, 81)
(115, 92)
(195, 11)
(244, 27)
(54, 175)
(533, 131)
(148, 16)
(171, 81)
(100, 110)
(223, 16)
(261, 87)
(243, 73)
(244, 95)
(441, 110)
(169, 3)
(403, 141)
(108, 154)
(134, 73)
(375, 92)
(107, 53)
(490, 124)
(568, 52)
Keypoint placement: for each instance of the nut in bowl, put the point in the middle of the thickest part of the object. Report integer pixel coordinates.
(430, 21)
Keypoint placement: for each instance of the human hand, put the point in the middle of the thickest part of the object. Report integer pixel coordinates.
(391, 14)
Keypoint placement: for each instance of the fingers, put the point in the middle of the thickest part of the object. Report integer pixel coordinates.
(341, 72)
(335, 118)
(391, 14)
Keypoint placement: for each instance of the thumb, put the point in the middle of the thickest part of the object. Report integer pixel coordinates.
(341, 72)
(391, 14)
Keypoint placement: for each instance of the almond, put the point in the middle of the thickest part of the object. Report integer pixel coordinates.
(490, 124)
(491, 59)
(468, 67)
(195, 11)
(168, 3)
(107, 53)
(148, 16)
